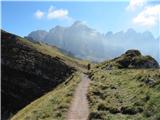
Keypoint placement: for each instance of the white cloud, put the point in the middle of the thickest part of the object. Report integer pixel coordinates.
(54, 13)
(148, 17)
(133, 4)
(39, 14)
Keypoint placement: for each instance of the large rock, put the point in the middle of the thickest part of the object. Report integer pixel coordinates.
(132, 53)
(133, 59)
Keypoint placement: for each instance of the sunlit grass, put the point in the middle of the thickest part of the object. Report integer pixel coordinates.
(52, 106)
(125, 94)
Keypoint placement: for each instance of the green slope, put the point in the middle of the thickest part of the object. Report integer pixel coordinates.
(114, 94)
(130, 93)
(125, 94)
(52, 106)
(30, 70)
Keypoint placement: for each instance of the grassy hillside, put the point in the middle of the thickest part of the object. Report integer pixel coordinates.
(41, 79)
(57, 53)
(124, 94)
(53, 105)
(29, 70)
(130, 59)
(127, 94)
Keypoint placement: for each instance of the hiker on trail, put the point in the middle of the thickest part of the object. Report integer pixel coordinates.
(89, 66)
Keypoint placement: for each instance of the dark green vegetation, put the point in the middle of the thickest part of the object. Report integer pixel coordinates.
(125, 94)
(52, 106)
(131, 59)
(29, 70)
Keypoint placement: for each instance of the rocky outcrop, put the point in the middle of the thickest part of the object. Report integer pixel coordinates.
(132, 59)
(26, 73)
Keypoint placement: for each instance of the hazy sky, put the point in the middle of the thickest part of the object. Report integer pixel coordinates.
(23, 17)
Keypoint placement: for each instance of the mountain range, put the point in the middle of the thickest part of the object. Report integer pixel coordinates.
(86, 43)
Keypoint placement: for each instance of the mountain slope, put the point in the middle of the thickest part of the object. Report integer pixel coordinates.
(131, 93)
(125, 94)
(29, 70)
(52, 106)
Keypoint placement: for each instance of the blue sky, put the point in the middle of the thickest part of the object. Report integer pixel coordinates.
(23, 17)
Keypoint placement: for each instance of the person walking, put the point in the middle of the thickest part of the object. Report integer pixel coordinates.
(89, 66)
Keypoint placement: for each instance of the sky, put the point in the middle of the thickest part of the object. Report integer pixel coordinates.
(22, 17)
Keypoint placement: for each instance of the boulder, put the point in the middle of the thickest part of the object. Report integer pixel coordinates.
(132, 59)
(133, 53)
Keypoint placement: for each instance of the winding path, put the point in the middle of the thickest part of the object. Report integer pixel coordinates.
(79, 109)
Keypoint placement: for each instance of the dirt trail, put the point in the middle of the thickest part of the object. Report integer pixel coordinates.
(79, 109)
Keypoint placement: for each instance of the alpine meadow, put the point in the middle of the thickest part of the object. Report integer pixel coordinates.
(80, 60)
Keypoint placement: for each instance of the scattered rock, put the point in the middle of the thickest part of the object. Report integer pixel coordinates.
(114, 110)
(95, 116)
(109, 67)
(150, 81)
(131, 110)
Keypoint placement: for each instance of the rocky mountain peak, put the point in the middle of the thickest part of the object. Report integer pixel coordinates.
(133, 53)
(56, 28)
(78, 23)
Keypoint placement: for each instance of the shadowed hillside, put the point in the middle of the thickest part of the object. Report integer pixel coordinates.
(27, 73)
(53, 105)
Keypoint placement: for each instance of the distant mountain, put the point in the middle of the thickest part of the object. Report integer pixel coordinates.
(78, 39)
(86, 43)
(38, 35)
(131, 39)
